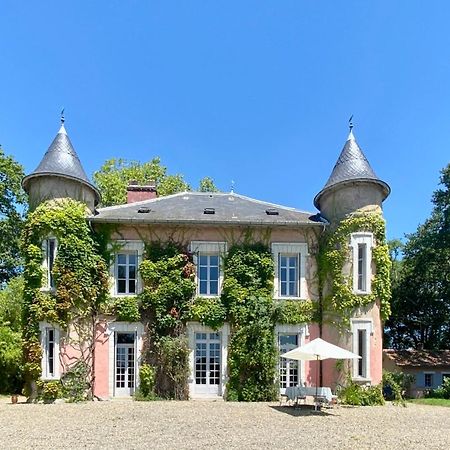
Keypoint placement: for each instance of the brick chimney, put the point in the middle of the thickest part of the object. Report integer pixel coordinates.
(136, 193)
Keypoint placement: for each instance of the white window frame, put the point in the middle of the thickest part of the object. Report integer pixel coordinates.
(290, 249)
(192, 329)
(356, 240)
(45, 262)
(44, 327)
(367, 326)
(302, 331)
(432, 379)
(126, 247)
(123, 327)
(208, 248)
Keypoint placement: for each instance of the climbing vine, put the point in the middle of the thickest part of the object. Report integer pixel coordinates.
(248, 296)
(80, 284)
(168, 275)
(334, 254)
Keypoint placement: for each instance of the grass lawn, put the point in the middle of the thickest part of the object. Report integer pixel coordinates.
(431, 401)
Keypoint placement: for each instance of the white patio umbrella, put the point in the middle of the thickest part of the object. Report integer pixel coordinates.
(318, 349)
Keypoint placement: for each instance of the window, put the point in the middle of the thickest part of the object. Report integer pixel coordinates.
(207, 257)
(124, 272)
(50, 350)
(49, 247)
(290, 268)
(288, 275)
(208, 274)
(429, 380)
(362, 258)
(361, 330)
(126, 266)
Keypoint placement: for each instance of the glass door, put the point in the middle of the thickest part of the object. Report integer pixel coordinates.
(125, 364)
(289, 371)
(207, 363)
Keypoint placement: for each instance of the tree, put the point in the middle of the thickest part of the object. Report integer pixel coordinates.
(421, 297)
(12, 197)
(114, 176)
(11, 299)
(207, 185)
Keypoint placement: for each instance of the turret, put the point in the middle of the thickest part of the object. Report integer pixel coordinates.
(60, 175)
(352, 185)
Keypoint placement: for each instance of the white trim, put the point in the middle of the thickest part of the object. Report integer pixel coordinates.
(126, 246)
(210, 248)
(45, 267)
(196, 327)
(366, 239)
(123, 327)
(43, 328)
(295, 248)
(301, 330)
(367, 326)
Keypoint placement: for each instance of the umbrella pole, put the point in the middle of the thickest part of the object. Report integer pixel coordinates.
(317, 379)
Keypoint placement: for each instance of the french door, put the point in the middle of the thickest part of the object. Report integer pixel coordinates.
(208, 363)
(124, 375)
(289, 372)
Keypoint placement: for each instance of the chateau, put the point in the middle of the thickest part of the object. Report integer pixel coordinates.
(306, 275)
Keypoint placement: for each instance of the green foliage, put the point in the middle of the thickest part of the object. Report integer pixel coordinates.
(11, 197)
(75, 383)
(168, 275)
(10, 360)
(295, 311)
(49, 391)
(421, 297)
(209, 311)
(247, 293)
(395, 386)
(173, 369)
(442, 391)
(207, 185)
(127, 308)
(147, 376)
(80, 274)
(333, 256)
(114, 176)
(357, 395)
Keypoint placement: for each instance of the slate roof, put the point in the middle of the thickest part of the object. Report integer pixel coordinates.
(206, 208)
(352, 165)
(419, 358)
(61, 159)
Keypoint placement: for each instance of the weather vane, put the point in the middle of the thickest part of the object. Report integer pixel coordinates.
(350, 122)
(62, 116)
(232, 186)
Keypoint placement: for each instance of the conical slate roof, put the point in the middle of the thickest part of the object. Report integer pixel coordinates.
(62, 160)
(352, 165)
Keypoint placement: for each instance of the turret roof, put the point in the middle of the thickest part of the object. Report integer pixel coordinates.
(352, 165)
(61, 159)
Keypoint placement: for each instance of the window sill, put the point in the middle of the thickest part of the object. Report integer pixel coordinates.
(289, 298)
(362, 292)
(125, 295)
(48, 290)
(362, 380)
(56, 378)
(208, 295)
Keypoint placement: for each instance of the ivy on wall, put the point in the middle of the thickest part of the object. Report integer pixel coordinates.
(169, 285)
(80, 277)
(340, 300)
(247, 294)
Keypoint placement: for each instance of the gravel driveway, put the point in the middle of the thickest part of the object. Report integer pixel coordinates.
(208, 424)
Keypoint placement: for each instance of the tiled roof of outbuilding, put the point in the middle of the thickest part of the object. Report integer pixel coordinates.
(206, 208)
(61, 159)
(419, 358)
(352, 165)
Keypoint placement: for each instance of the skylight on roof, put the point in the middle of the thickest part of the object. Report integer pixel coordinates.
(209, 211)
(272, 212)
(144, 210)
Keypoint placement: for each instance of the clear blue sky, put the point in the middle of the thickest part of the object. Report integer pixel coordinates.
(258, 92)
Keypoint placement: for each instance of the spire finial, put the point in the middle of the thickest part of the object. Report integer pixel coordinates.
(350, 123)
(62, 117)
(232, 186)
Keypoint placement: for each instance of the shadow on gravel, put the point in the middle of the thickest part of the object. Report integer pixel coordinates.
(302, 411)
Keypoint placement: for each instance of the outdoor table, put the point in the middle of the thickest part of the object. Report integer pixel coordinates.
(320, 393)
